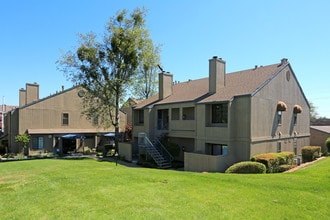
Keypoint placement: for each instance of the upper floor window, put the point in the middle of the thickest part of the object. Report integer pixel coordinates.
(294, 119)
(175, 114)
(220, 113)
(188, 113)
(65, 119)
(138, 117)
(162, 119)
(279, 117)
(141, 116)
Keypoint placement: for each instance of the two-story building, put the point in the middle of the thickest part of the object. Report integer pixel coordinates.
(227, 118)
(54, 123)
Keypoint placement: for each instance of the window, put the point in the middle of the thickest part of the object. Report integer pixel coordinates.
(141, 116)
(37, 143)
(294, 119)
(65, 119)
(279, 117)
(188, 113)
(217, 149)
(279, 147)
(220, 113)
(162, 119)
(295, 146)
(175, 114)
(138, 117)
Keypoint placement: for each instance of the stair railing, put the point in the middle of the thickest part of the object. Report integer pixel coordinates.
(163, 151)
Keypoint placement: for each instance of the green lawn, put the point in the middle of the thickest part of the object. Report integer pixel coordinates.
(88, 189)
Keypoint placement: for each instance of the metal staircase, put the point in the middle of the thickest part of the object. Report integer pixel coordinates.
(156, 150)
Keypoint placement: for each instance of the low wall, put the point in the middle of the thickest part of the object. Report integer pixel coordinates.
(204, 163)
(125, 150)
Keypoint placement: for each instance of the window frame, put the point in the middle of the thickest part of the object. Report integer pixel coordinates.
(186, 113)
(65, 120)
(279, 117)
(38, 143)
(175, 114)
(220, 115)
(218, 149)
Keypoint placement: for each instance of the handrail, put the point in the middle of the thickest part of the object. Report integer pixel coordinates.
(152, 148)
(163, 150)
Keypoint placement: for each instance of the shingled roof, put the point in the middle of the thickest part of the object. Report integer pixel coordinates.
(236, 84)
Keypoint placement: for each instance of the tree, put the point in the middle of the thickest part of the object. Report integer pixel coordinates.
(146, 81)
(23, 140)
(107, 69)
(313, 113)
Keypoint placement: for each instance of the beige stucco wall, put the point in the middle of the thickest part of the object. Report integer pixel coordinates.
(205, 163)
(265, 131)
(125, 150)
(252, 125)
(48, 113)
(46, 116)
(318, 138)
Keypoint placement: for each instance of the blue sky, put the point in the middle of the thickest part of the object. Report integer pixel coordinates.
(244, 33)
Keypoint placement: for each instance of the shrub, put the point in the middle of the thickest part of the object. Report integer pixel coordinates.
(285, 167)
(288, 157)
(247, 167)
(273, 161)
(327, 144)
(310, 153)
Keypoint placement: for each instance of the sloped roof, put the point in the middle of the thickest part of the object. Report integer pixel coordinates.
(243, 83)
(237, 83)
(325, 129)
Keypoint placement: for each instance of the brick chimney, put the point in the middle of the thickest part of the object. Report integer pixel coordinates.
(22, 97)
(217, 74)
(165, 85)
(28, 95)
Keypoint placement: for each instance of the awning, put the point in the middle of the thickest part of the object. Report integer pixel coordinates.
(73, 136)
(111, 134)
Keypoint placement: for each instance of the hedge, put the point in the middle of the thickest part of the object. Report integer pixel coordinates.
(310, 153)
(273, 161)
(247, 167)
(327, 144)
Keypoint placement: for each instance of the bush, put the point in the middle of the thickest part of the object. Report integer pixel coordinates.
(327, 144)
(247, 167)
(288, 158)
(285, 167)
(310, 153)
(273, 161)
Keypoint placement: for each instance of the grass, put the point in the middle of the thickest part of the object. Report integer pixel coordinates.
(88, 189)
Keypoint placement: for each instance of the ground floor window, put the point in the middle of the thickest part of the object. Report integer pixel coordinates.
(37, 143)
(217, 149)
(279, 147)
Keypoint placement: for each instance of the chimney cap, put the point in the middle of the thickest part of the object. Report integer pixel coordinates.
(284, 61)
(216, 57)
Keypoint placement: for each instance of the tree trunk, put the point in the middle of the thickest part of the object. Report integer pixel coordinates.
(117, 123)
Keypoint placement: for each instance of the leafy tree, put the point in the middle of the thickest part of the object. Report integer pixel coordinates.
(146, 81)
(23, 140)
(313, 114)
(107, 69)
